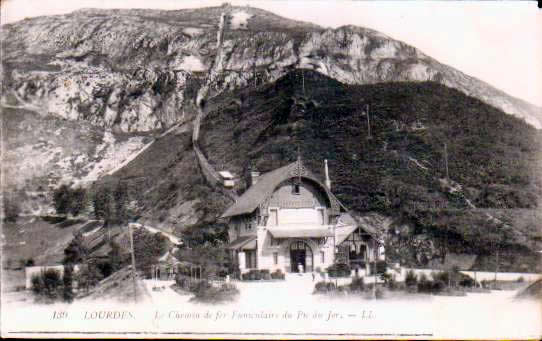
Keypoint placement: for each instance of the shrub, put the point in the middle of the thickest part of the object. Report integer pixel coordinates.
(265, 274)
(466, 282)
(437, 286)
(206, 292)
(431, 287)
(67, 281)
(324, 287)
(338, 270)
(381, 267)
(443, 276)
(358, 284)
(389, 281)
(47, 284)
(277, 274)
(411, 279)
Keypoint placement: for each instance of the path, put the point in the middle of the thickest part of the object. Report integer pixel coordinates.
(172, 238)
(208, 171)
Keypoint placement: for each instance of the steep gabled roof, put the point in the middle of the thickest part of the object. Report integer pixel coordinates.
(257, 193)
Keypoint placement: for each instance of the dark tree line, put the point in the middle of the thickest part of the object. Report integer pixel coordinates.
(109, 202)
(67, 200)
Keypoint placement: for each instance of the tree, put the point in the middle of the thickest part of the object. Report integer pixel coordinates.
(101, 202)
(47, 283)
(120, 196)
(67, 280)
(75, 252)
(148, 248)
(67, 200)
(77, 201)
(61, 199)
(11, 210)
(112, 205)
(89, 275)
(115, 257)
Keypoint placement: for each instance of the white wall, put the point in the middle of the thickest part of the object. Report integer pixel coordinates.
(300, 216)
(36, 270)
(265, 252)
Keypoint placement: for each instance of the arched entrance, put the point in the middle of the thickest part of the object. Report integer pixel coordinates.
(300, 253)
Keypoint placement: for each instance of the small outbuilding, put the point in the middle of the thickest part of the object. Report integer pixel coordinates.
(227, 178)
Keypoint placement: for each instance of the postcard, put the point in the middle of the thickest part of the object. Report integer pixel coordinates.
(271, 169)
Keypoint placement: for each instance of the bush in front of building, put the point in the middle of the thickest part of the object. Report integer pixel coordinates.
(205, 292)
(338, 270)
(257, 275)
(435, 286)
(47, 285)
(277, 274)
(357, 285)
(411, 279)
(324, 287)
(381, 267)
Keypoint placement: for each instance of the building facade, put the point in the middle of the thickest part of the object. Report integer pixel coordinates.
(288, 220)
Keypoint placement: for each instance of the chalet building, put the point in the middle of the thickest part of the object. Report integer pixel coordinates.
(287, 219)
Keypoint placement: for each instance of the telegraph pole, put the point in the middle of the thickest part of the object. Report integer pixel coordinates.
(303, 80)
(496, 264)
(446, 161)
(254, 70)
(375, 253)
(368, 122)
(133, 261)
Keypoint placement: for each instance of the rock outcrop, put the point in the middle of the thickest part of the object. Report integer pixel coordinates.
(140, 70)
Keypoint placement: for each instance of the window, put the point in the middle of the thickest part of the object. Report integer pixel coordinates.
(275, 258)
(296, 189)
(322, 257)
(273, 217)
(321, 216)
(250, 259)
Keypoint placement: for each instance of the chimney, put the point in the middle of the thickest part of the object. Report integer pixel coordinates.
(328, 182)
(253, 175)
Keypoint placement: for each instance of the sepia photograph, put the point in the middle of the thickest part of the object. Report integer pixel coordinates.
(271, 169)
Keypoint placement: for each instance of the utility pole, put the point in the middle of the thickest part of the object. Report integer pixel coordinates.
(303, 80)
(375, 251)
(446, 161)
(254, 70)
(368, 122)
(496, 264)
(446, 255)
(133, 261)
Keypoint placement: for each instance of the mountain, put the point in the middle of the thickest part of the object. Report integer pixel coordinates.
(396, 180)
(139, 70)
(100, 96)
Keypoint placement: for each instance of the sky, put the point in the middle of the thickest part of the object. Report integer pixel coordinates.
(498, 42)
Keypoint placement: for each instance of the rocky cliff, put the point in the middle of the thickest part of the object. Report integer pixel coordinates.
(140, 70)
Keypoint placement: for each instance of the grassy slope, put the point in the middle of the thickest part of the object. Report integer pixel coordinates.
(492, 155)
(32, 237)
(166, 182)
